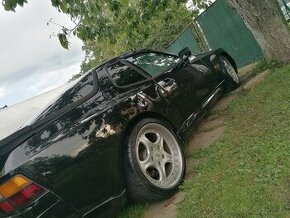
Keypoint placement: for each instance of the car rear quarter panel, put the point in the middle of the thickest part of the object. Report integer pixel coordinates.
(74, 157)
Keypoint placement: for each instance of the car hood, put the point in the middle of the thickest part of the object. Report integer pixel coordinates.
(15, 117)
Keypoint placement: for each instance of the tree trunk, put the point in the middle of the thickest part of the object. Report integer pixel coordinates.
(264, 20)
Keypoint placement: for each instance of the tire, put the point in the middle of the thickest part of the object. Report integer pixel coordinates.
(230, 73)
(145, 158)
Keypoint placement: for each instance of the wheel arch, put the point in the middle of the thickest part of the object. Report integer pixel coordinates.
(138, 118)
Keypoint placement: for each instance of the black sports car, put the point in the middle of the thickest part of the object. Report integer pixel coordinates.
(116, 132)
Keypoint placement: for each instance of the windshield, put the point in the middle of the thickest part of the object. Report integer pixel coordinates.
(154, 63)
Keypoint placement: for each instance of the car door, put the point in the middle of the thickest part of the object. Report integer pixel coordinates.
(185, 84)
(132, 85)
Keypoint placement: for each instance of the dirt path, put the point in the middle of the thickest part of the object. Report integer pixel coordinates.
(209, 131)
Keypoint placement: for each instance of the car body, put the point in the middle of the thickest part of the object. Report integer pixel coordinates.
(73, 151)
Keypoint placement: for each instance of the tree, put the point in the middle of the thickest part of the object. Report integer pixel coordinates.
(264, 20)
(111, 27)
(100, 20)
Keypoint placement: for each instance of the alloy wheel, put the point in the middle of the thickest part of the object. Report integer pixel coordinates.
(230, 70)
(159, 156)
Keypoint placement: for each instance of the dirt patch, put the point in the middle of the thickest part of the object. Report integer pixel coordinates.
(205, 139)
(166, 209)
(247, 69)
(223, 104)
(255, 80)
(191, 163)
(210, 124)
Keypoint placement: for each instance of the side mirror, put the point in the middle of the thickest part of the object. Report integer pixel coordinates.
(184, 54)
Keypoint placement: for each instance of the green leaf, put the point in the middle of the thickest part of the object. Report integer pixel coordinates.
(115, 6)
(63, 40)
(10, 5)
(55, 3)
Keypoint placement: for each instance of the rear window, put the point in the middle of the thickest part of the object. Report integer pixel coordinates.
(82, 88)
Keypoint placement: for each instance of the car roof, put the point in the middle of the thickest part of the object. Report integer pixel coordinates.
(128, 54)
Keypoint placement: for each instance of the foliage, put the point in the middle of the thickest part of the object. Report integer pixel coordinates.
(267, 65)
(156, 33)
(109, 27)
(246, 174)
(103, 19)
(12, 4)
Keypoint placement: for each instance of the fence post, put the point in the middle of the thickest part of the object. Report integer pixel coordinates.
(203, 44)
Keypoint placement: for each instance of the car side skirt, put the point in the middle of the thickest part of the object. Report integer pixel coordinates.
(194, 117)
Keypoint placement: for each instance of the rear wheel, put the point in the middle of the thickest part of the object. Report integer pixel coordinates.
(232, 78)
(154, 161)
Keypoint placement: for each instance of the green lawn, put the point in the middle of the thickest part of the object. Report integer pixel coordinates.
(132, 211)
(247, 173)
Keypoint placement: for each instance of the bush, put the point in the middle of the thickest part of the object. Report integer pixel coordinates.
(267, 65)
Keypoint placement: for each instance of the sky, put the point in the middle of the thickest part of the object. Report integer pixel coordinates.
(32, 62)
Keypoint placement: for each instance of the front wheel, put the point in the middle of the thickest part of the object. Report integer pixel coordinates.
(154, 161)
(232, 78)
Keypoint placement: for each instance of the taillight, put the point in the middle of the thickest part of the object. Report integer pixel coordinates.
(16, 192)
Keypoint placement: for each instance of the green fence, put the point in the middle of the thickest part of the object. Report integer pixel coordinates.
(185, 39)
(220, 26)
(224, 28)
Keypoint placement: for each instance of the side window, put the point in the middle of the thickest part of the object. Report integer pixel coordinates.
(154, 63)
(80, 90)
(123, 75)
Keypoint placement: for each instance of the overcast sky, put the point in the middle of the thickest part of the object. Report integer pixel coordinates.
(30, 61)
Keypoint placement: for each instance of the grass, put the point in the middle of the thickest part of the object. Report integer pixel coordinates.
(132, 211)
(267, 65)
(247, 173)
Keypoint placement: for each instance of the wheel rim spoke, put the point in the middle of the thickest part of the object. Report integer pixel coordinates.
(161, 171)
(159, 141)
(146, 164)
(166, 153)
(146, 142)
(168, 158)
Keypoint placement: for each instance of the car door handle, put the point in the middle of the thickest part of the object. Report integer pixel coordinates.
(168, 85)
(169, 81)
